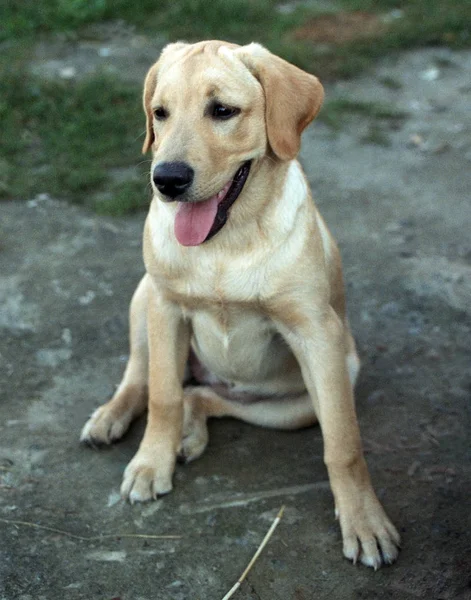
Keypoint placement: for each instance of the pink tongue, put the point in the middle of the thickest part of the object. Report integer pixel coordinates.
(194, 220)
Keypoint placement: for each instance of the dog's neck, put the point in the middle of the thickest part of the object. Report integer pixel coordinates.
(255, 214)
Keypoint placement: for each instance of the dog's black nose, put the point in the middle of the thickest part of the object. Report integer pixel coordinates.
(173, 178)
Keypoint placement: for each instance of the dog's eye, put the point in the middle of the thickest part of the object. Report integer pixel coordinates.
(160, 113)
(219, 111)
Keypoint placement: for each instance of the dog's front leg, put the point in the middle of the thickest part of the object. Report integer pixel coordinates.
(318, 341)
(149, 474)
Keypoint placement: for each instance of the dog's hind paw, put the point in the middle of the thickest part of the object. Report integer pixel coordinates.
(193, 445)
(195, 429)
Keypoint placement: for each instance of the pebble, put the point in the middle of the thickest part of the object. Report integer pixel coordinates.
(68, 72)
(430, 74)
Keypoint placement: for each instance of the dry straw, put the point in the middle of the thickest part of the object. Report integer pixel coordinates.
(265, 540)
(92, 538)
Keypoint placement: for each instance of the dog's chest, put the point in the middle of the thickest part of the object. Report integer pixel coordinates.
(231, 342)
(231, 332)
(202, 278)
(225, 294)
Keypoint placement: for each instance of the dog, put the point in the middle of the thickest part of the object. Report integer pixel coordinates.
(241, 311)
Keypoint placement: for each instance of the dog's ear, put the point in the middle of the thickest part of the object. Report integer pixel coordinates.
(150, 84)
(149, 89)
(292, 98)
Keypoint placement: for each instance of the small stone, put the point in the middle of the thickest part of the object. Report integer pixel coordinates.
(43, 197)
(68, 72)
(396, 13)
(73, 586)
(287, 8)
(430, 74)
(416, 140)
(87, 298)
(113, 499)
(66, 336)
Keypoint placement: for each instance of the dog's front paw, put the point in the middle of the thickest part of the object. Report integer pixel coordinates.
(143, 480)
(105, 426)
(368, 534)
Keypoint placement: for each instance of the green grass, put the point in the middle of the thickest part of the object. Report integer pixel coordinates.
(335, 112)
(189, 19)
(71, 138)
(376, 135)
(129, 196)
(391, 83)
(66, 137)
(421, 23)
(238, 21)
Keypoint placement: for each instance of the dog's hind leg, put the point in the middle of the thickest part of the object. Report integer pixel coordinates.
(110, 421)
(201, 403)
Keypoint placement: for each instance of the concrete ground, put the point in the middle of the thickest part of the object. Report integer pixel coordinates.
(402, 215)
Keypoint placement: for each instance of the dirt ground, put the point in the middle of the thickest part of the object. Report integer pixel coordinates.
(401, 212)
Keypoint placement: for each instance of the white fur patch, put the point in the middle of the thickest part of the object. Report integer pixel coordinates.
(294, 195)
(326, 239)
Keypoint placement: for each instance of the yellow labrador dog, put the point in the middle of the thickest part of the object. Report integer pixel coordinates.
(241, 312)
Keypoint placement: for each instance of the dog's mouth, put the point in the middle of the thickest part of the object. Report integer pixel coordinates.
(198, 222)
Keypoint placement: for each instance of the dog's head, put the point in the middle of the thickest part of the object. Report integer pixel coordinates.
(214, 109)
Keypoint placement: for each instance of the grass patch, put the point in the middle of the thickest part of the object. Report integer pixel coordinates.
(408, 24)
(65, 137)
(23, 17)
(234, 20)
(422, 22)
(68, 138)
(238, 21)
(391, 83)
(376, 135)
(128, 196)
(335, 112)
